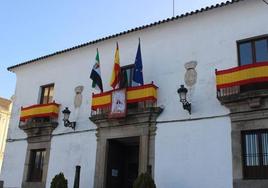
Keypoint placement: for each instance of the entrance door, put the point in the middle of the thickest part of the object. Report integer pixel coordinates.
(122, 162)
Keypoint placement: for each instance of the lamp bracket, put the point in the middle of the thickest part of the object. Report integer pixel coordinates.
(187, 106)
(67, 123)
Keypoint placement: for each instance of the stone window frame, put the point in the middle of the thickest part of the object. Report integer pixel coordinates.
(36, 146)
(32, 175)
(244, 121)
(260, 167)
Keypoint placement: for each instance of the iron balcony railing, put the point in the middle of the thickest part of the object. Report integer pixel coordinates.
(138, 98)
(50, 110)
(230, 81)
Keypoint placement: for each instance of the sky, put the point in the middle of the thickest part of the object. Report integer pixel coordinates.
(33, 28)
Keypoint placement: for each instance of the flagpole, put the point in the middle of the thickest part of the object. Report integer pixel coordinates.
(137, 75)
(173, 8)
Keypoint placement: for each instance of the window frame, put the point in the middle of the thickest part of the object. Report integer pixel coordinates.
(252, 41)
(260, 168)
(43, 87)
(130, 83)
(32, 160)
(130, 66)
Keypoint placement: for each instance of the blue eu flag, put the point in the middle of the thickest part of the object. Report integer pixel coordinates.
(138, 76)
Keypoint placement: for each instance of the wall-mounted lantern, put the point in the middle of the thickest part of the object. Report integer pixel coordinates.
(66, 114)
(182, 91)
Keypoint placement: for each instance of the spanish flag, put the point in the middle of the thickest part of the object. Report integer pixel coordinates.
(116, 70)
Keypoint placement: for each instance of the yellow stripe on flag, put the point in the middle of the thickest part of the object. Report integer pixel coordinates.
(251, 73)
(141, 93)
(101, 100)
(135, 94)
(35, 111)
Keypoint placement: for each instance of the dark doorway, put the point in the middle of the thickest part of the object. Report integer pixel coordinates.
(122, 162)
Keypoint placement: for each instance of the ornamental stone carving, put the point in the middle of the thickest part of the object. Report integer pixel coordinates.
(78, 96)
(190, 76)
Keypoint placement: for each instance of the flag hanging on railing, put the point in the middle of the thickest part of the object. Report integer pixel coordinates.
(96, 74)
(116, 69)
(138, 75)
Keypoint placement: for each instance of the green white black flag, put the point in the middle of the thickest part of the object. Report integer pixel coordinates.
(96, 74)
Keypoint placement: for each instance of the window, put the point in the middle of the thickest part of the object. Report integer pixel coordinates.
(47, 92)
(253, 51)
(126, 76)
(255, 154)
(36, 163)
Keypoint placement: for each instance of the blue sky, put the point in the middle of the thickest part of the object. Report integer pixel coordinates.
(33, 28)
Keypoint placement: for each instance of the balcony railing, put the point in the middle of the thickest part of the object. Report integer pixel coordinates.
(50, 110)
(138, 98)
(230, 81)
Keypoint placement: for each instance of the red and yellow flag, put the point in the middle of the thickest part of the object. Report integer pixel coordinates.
(116, 70)
(246, 74)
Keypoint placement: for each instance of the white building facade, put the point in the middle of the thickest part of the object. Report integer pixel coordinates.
(179, 149)
(5, 109)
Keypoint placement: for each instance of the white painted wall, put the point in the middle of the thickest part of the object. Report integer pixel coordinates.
(209, 38)
(194, 154)
(72, 150)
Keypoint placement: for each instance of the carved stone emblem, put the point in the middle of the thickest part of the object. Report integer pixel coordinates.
(190, 76)
(78, 96)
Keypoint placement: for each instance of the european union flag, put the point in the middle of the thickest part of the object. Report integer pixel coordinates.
(138, 76)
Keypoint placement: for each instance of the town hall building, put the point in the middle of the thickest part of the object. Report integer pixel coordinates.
(199, 118)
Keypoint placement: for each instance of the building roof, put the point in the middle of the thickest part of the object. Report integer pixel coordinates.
(5, 104)
(129, 31)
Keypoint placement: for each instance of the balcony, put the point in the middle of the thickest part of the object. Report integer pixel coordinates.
(39, 115)
(139, 99)
(242, 82)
